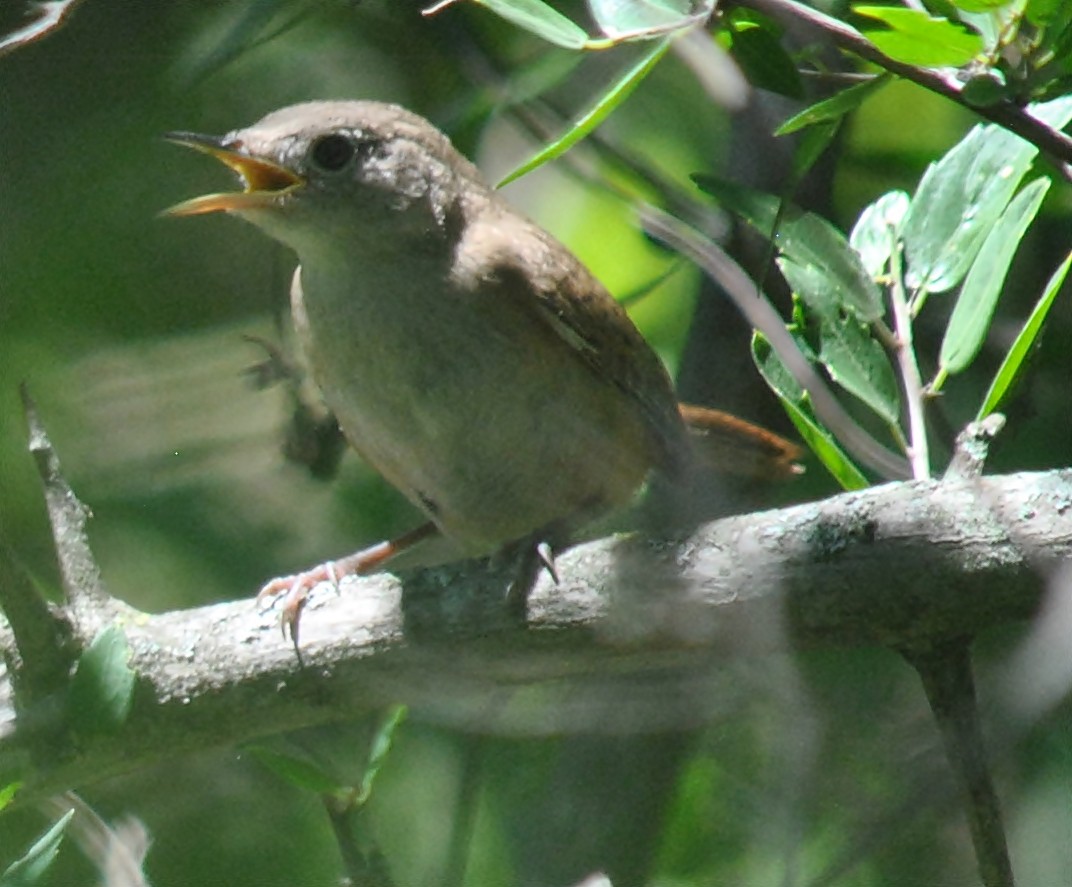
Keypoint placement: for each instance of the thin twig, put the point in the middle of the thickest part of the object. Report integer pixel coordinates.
(82, 583)
(759, 312)
(944, 82)
(911, 381)
(946, 673)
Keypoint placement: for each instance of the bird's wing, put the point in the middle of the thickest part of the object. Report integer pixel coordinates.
(547, 280)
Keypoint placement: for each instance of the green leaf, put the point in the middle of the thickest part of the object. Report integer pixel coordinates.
(987, 25)
(382, 743)
(8, 792)
(1043, 12)
(878, 229)
(835, 107)
(1011, 368)
(795, 402)
(813, 142)
(916, 38)
(852, 357)
(597, 114)
(298, 771)
(540, 19)
(979, 296)
(981, 5)
(622, 19)
(960, 197)
(102, 688)
(763, 58)
(807, 239)
(957, 202)
(32, 866)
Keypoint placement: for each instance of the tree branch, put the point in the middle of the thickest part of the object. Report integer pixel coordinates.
(634, 618)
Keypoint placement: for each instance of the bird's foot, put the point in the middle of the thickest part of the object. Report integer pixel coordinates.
(531, 555)
(293, 591)
(275, 367)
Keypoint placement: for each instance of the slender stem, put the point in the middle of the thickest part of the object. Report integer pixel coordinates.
(911, 381)
(884, 334)
(946, 673)
(935, 385)
(918, 300)
(466, 808)
(1005, 113)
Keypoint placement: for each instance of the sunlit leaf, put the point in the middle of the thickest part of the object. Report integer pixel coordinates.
(835, 107)
(807, 239)
(979, 296)
(625, 18)
(1013, 364)
(795, 402)
(986, 24)
(382, 742)
(8, 793)
(610, 100)
(957, 202)
(878, 229)
(540, 19)
(981, 5)
(961, 196)
(916, 38)
(31, 868)
(102, 688)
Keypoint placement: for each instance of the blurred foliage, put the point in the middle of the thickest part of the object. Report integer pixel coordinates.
(817, 768)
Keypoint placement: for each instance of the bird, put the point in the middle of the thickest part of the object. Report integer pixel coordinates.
(468, 356)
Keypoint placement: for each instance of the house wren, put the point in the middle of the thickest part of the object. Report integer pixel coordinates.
(468, 355)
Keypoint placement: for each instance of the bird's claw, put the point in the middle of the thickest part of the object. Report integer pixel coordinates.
(292, 594)
(546, 556)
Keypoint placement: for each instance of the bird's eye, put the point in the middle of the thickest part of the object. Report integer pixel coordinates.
(332, 152)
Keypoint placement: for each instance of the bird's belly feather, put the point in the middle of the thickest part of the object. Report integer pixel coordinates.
(491, 439)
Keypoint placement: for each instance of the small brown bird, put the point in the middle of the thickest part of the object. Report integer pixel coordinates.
(468, 355)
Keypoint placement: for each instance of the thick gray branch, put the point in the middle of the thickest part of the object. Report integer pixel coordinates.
(636, 619)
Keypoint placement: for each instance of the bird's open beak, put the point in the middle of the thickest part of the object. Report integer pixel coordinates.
(264, 181)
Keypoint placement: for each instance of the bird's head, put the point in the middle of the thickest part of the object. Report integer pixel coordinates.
(322, 174)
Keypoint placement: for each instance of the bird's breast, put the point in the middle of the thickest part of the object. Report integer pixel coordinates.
(488, 422)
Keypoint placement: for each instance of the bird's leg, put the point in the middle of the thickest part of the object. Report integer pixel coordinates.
(530, 554)
(294, 590)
